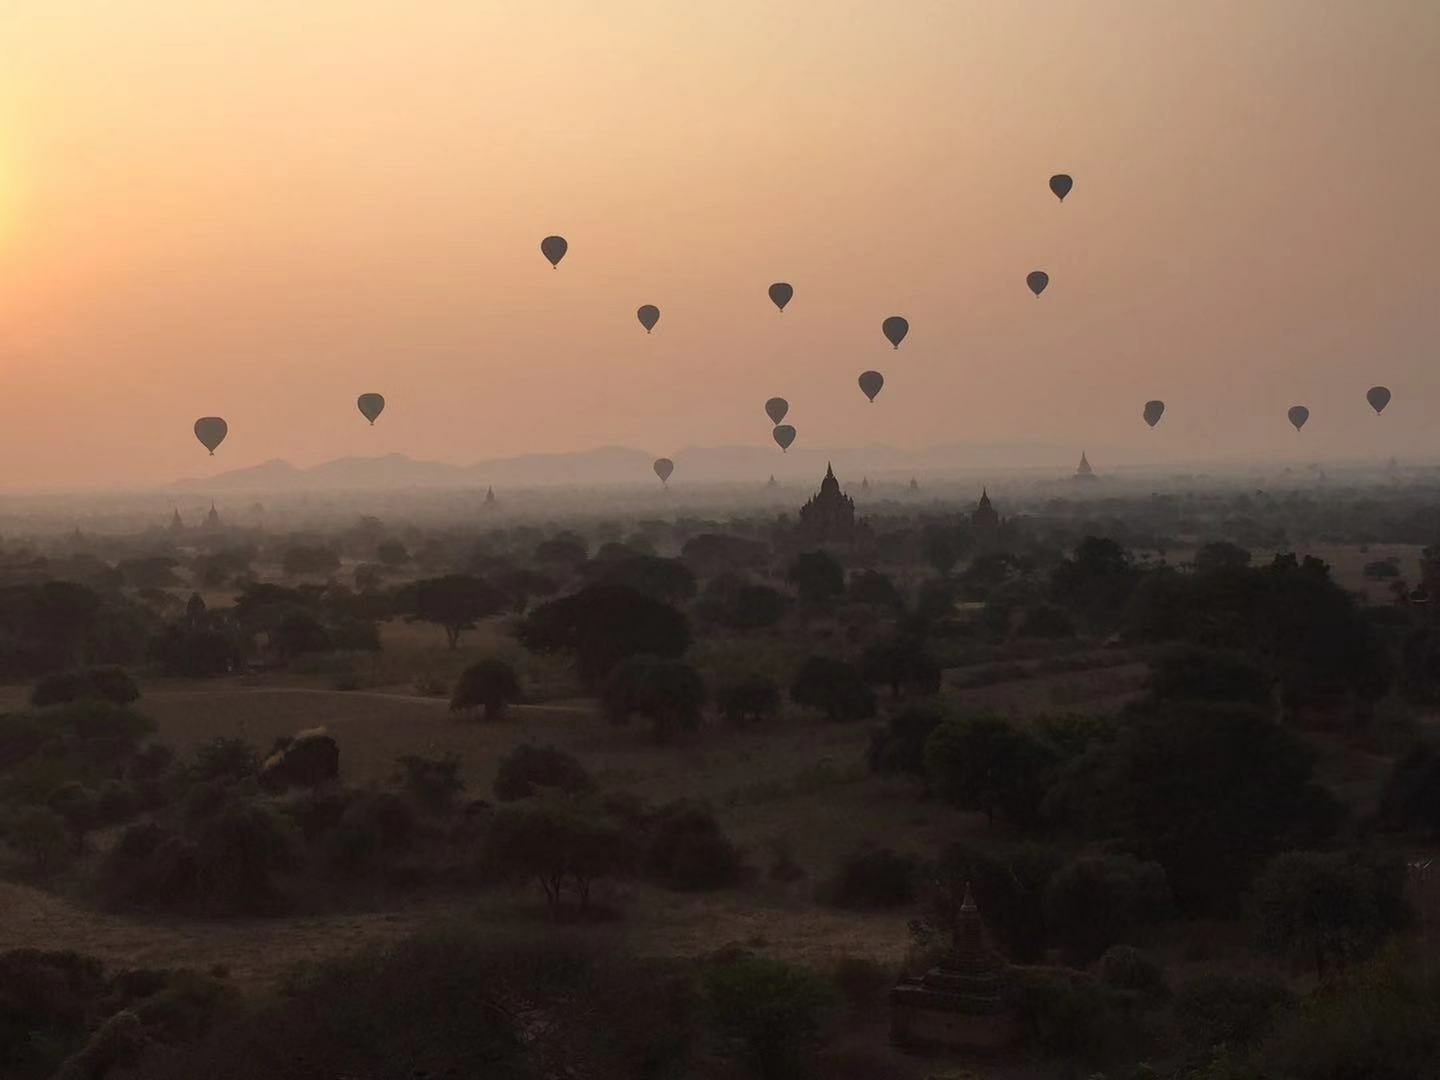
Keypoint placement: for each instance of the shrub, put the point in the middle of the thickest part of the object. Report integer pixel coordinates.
(1075, 1020)
(561, 843)
(770, 1012)
(38, 835)
(668, 693)
(150, 867)
(833, 687)
(528, 769)
(1189, 673)
(225, 758)
(749, 700)
(432, 783)
(372, 823)
(899, 746)
(863, 984)
(688, 851)
(1130, 969)
(1046, 621)
(1096, 900)
(1411, 799)
(490, 684)
(873, 878)
(1234, 1011)
(110, 684)
(983, 762)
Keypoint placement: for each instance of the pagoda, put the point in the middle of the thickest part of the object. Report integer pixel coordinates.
(1083, 471)
(964, 1002)
(490, 495)
(212, 519)
(830, 514)
(176, 525)
(984, 521)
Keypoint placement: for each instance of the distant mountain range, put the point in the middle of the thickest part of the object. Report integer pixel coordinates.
(622, 465)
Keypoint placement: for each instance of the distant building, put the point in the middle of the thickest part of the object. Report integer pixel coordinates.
(865, 484)
(771, 482)
(914, 484)
(985, 522)
(175, 523)
(830, 514)
(212, 519)
(490, 496)
(1083, 471)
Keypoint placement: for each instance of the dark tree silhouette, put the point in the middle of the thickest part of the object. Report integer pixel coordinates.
(817, 576)
(602, 625)
(490, 684)
(834, 687)
(456, 602)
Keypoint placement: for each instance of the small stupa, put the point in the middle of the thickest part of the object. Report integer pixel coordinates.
(490, 495)
(771, 482)
(175, 523)
(914, 484)
(865, 483)
(212, 519)
(1083, 471)
(964, 1001)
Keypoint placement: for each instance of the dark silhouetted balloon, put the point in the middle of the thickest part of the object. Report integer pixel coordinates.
(780, 294)
(663, 468)
(1037, 280)
(1298, 415)
(895, 328)
(1153, 411)
(784, 435)
(554, 248)
(870, 383)
(211, 431)
(776, 408)
(370, 406)
(648, 315)
(1379, 397)
(1061, 184)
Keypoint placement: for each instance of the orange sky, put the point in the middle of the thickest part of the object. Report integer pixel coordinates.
(207, 209)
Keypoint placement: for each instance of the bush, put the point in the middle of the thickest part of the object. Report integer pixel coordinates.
(874, 879)
(668, 693)
(490, 684)
(1046, 621)
(749, 700)
(863, 984)
(1411, 799)
(560, 842)
(688, 850)
(983, 762)
(225, 758)
(432, 783)
(1097, 900)
(238, 855)
(149, 867)
(1076, 1021)
(39, 836)
(371, 823)
(770, 1012)
(110, 684)
(899, 746)
(528, 769)
(1234, 1011)
(1189, 673)
(1130, 969)
(833, 687)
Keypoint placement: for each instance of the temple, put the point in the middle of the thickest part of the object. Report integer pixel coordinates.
(985, 522)
(1083, 471)
(175, 523)
(829, 516)
(964, 1002)
(490, 496)
(212, 519)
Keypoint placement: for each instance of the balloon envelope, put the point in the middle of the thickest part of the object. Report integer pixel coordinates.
(1153, 411)
(211, 431)
(1298, 415)
(1061, 184)
(663, 468)
(554, 248)
(370, 406)
(871, 382)
(776, 408)
(648, 315)
(784, 435)
(780, 294)
(895, 328)
(1037, 280)
(1379, 397)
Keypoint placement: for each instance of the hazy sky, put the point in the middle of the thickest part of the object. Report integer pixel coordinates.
(260, 211)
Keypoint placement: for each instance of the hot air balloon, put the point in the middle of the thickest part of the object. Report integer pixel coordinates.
(663, 468)
(211, 431)
(1061, 184)
(554, 248)
(780, 294)
(1379, 397)
(1153, 411)
(784, 435)
(1037, 280)
(370, 406)
(648, 315)
(1298, 415)
(895, 328)
(776, 408)
(870, 383)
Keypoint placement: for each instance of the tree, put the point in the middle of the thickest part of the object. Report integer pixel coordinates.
(668, 580)
(1095, 901)
(1411, 798)
(817, 576)
(297, 633)
(1045, 621)
(983, 762)
(392, 553)
(834, 687)
(529, 770)
(521, 584)
(111, 684)
(873, 587)
(562, 843)
(749, 700)
(1095, 580)
(668, 693)
(602, 625)
(687, 850)
(715, 553)
(772, 1011)
(564, 551)
(1331, 907)
(1192, 673)
(901, 663)
(491, 684)
(742, 605)
(940, 551)
(300, 561)
(899, 747)
(1220, 555)
(456, 602)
